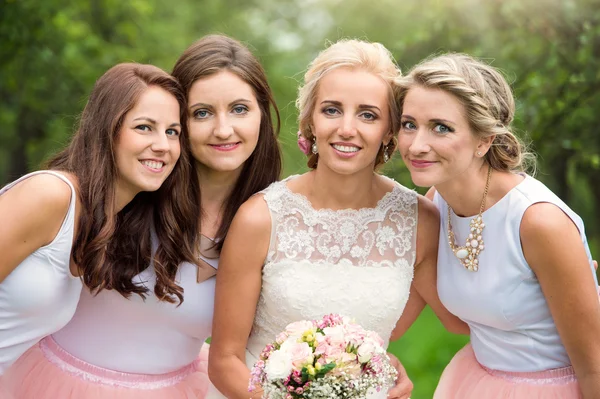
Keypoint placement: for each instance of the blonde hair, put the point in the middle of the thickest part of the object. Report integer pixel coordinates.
(487, 98)
(355, 54)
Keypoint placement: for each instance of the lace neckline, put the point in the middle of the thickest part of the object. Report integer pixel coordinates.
(382, 203)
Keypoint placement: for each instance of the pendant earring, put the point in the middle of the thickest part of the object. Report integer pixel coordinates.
(386, 157)
(314, 148)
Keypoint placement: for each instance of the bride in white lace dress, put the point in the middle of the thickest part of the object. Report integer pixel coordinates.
(339, 239)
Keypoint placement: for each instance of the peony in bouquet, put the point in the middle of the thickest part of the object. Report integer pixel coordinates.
(329, 358)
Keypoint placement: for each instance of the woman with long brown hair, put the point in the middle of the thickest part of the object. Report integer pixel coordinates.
(131, 347)
(89, 219)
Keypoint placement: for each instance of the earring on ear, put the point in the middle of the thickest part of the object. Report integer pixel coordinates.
(478, 153)
(386, 156)
(313, 147)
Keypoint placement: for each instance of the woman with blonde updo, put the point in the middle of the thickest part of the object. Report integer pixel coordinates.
(338, 239)
(513, 258)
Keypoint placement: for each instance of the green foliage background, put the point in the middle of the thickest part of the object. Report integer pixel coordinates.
(51, 53)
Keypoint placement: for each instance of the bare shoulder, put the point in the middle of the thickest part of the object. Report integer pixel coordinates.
(247, 241)
(545, 218)
(551, 241)
(44, 192)
(253, 215)
(32, 212)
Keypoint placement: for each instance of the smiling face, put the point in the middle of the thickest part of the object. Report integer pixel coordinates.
(350, 120)
(147, 145)
(435, 140)
(224, 122)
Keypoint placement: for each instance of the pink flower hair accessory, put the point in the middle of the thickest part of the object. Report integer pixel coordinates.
(303, 143)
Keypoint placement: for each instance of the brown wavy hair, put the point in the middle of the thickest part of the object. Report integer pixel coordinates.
(216, 53)
(110, 249)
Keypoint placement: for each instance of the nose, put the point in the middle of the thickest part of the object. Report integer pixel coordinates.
(347, 128)
(224, 129)
(419, 143)
(161, 142)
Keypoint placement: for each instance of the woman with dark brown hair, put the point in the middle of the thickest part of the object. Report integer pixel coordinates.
(233, 139)
(89, 219)
(131, 348)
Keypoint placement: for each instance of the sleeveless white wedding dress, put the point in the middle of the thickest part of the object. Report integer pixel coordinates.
(357, 263)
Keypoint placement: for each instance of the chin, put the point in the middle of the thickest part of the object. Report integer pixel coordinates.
(345, 168)
(150, 186)
(423, 179)
(228, 168)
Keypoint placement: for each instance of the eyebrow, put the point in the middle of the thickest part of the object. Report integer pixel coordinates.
(145, 118)
(360, 106)
(431, 120)
(443, 121)
(239, 100)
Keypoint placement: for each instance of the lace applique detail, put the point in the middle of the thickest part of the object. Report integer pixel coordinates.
(358, 237)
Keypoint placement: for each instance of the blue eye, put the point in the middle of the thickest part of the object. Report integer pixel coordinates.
(172, 132)
(440, 128)
(330, 111)
(201, 114)
(240, 109)
(406, 125)
(369, 116)
(144, 128)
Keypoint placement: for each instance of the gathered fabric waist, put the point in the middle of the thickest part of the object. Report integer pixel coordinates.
(559, 376)
(91, 373)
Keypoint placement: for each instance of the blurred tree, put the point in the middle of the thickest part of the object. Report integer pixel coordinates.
(51, 53)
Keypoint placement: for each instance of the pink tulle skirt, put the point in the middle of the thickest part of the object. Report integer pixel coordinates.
(46, 371)
(465, 378)
(4, 394)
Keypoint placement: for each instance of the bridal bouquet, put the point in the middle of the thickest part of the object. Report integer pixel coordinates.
(329, 358)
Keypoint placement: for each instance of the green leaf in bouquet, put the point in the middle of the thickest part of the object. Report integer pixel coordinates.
(306, 376)
(350, 348)
(325, 369)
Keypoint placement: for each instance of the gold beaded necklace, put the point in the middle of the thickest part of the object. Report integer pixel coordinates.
(469, 254)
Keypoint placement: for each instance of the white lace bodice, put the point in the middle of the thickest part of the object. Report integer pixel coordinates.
(357, 263)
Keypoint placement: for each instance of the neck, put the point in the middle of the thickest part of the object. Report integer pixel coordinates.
(465, 192)
(122, 198)
(215, 188)
(334, 191)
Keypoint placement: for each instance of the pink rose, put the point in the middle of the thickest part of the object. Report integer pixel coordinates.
(354, 334)
(366, 351)
(335, 335)
(373, 336)
(301, 355)
(304, 144)
(329, 353)
(299, 327)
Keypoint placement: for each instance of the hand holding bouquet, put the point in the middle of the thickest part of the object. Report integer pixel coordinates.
(328, 358)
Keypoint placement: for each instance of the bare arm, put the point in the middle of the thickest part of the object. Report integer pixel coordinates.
(424, 286)
(31, 214)
(239, 281)
(555, 252)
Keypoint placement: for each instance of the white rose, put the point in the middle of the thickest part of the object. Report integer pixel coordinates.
(365, 351)
(278, 365)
